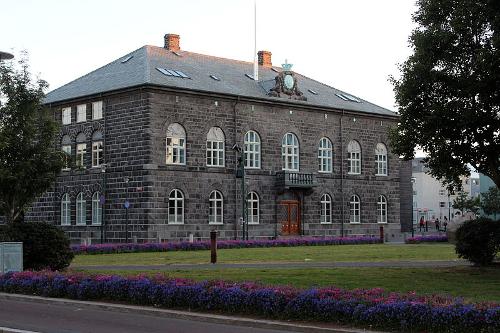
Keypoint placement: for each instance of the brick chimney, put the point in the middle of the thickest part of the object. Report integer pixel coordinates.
(265, 58)
(172, 42)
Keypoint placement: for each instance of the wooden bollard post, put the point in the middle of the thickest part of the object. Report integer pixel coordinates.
(213, 246)
(382, 234)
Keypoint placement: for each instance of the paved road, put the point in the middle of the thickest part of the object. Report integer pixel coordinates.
(412, 264)
(65, 318)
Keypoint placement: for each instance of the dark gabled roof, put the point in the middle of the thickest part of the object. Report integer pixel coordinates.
(141, 69)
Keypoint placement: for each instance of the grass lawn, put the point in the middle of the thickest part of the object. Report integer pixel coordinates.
(369, 252)
(471, 283)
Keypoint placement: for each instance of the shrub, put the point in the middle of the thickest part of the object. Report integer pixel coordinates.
(478, 241)
(44, 246)
(426, 239)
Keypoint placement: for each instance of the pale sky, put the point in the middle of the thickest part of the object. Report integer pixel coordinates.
(351, 45)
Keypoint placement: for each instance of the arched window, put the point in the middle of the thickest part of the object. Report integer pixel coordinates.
(215, 147)
(81, 214)
(290, 152)
(253, 208)
(355, 209)
(216, 205)
(65, 210)
(81, 149)
(176, 207)
(97, 150)
(382, 209)
(325, 155)
(176, 144)
(96, 209)
(66, 148)
(326, 209)
(381, 159)
(252, 150)
(354, 158)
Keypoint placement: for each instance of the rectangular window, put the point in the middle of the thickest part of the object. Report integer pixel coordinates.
(381, 165)
(81, 113)
(442, 204)
(97, 110)
(176, 151)
(354, 163)
(80, 154)
(67, 150)
(215, 153)
(97, 154)
(66, 116)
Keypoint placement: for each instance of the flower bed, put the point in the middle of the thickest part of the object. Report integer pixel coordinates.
(426, 239)
(368, 308)
(224, 244)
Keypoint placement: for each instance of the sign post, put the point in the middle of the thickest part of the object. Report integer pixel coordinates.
(213, 246)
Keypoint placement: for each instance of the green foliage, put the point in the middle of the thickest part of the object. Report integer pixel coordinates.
(490, 201)
(478, 241)
(29, 159)
(466, 204)
(44, 246)
(448, 93)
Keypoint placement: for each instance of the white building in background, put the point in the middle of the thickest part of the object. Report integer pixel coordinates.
(431, 199)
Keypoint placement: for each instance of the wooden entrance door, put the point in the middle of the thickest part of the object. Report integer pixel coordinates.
(289, 217)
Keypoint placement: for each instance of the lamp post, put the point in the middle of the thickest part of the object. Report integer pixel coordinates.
(126, 205)
(102, 201)
(240, 173)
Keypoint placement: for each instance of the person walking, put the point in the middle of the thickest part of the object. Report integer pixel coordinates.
(437, 224)
(445, 223)
(421, 224)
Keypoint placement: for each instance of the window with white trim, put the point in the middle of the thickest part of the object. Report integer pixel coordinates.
(176, 207)
(65, 210)
(354, 158)
(354, 209)
(81, 149)
(66, 116)
(381, 159)
(97, 110)
(325, 155)
(97, 150)
(252, 150)
(253, 208)
(290, 152)
(81, 213)
(215, 147)
(96, 209)
(326, 209)
(81, 113)
(176, 144)
(216, 208)
(382, 209)
(66, 148)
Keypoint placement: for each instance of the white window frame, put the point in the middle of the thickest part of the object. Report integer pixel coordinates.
(253, 203)
(215, 148)
(326, 209)
(96, 209)
(354, 209)
(290, 152)
(216, 208)
(176, 203)
(382, 209)
(97, 110)
(67, 150)
(97, 153)
(66, 115)
(325, 152)
(81, 209)
(81, 150)
(65, 209)
(381, 159)
(354, 158)
(252, 150)
(175, 141)
(81, 113)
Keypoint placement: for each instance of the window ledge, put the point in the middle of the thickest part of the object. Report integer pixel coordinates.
(215, 223)
(175, 223)
(253, 223)
(325, 223)
(354, 222)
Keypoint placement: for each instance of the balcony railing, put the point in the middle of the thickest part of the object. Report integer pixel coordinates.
(289, 179)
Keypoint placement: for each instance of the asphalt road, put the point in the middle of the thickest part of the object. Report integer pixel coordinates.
(22, 316)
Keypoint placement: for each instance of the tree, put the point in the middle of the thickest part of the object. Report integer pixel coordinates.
(490, 201)
(29, 160)
(466, 204)
(449, 91)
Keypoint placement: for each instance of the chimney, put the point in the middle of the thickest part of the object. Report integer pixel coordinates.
(265, 58)
(172, 42)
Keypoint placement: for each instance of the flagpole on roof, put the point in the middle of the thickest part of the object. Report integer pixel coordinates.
(255, 59)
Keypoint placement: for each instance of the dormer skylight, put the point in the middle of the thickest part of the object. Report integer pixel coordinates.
(124, 60)
(171, 72)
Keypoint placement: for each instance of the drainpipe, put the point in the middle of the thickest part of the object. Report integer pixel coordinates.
(235, 179)
(342, 175)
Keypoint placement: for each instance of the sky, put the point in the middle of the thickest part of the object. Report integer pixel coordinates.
(351, 45)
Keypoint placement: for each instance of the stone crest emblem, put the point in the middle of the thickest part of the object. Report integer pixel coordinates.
(286, 83)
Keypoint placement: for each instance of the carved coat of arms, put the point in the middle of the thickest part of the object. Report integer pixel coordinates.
(286, 83)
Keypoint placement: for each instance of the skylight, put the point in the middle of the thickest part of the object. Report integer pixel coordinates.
(347, 97)
(275, 70)
(249, 76)
(171, 72)
(341, 96)
(312, 91)
(215, 77)
(176, 53)
(124, 60)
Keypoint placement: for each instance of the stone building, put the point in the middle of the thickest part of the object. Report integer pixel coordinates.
(163, 132)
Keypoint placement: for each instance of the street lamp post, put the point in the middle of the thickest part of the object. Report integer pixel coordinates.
(102, 202)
